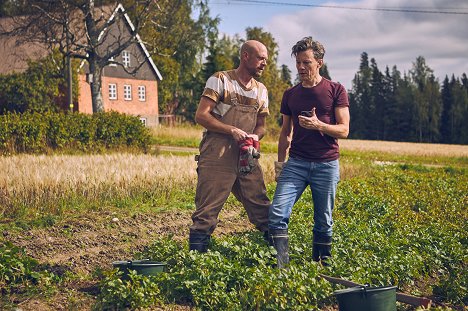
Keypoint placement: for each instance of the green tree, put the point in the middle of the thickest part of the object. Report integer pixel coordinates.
(360, 99)
(38, 89)
(377, 103)
(223, 54)
(404, 99)
(271, 76)
(427, 104)
(286, 74)
(464, 104)
(178, 37)
(394, 125)
(447, 119)
(76, 27)
(324, 72)
(459, 112)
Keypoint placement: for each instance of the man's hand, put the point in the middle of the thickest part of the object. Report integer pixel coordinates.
(278, 169)
(312, 122)
(238, 134)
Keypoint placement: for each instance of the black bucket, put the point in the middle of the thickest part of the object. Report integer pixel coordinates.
(144, 267)
(363, 298)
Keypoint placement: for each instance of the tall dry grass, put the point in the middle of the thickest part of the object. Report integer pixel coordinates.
(402, 148)
(44, 183)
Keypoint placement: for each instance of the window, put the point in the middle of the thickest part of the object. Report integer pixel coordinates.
(141, 93)
(112, 91)
(112, 59)
(126, 58)
(143, 121)
(127, 92)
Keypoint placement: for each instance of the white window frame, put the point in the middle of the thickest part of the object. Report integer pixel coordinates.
(127, 91)
(112, 87)
(142, 93)
(144, 121)
(126, 58)
(112, 59)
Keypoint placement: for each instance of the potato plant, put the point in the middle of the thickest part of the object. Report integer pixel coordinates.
(404, 225)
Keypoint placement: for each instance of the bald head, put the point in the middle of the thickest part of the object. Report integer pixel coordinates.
(253, 58)
(252, 46)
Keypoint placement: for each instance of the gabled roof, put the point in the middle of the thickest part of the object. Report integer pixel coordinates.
(121, 9)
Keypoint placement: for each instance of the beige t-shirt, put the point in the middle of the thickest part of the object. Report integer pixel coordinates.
(222, 85)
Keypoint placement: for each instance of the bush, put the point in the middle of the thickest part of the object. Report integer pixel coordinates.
(60, 132)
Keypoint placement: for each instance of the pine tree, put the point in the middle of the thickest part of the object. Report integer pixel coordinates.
(404, 97)
(446, 119)
(377, 103)
(359, 97)
(427, 105)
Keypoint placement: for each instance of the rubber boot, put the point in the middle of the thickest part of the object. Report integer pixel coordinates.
(267, 238)
(199, 242)
(280, 241)
(321, 249)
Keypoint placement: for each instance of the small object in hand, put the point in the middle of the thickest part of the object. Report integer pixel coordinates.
(306, 113)
(248, 151)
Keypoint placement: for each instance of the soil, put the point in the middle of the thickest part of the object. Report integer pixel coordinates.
(86, 243)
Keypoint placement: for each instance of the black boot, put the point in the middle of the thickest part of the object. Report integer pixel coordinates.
(280, 241)
(267, 238)
(199, 242)
(321, 249)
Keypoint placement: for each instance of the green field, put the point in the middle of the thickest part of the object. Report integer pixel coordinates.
(400, 219)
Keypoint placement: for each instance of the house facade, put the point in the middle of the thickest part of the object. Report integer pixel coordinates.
(129, 82)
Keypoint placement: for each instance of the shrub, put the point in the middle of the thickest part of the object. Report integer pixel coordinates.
(51, 131)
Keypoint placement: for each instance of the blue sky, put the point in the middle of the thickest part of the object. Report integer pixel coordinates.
(396, 36)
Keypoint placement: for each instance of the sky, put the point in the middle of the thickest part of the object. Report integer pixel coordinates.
(390, 31)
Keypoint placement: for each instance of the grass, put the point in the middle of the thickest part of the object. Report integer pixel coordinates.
(41, 191)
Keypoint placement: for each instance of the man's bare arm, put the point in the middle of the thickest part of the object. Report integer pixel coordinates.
(284, 141)
(260, 127)
(204, 118)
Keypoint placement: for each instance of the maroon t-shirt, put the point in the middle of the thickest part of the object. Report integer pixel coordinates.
(307, 144)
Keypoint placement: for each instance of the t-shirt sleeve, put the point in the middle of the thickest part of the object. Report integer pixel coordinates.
(214, 87)
(263, 109)
(341, 97)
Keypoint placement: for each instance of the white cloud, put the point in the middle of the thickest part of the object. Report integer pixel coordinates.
(392, 38)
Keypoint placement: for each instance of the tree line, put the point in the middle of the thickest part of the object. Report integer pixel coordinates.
(411, 106)
(185, 44)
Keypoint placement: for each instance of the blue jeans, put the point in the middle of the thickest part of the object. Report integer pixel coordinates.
(322, 177)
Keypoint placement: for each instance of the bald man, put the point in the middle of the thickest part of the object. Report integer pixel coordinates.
(232, 108)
